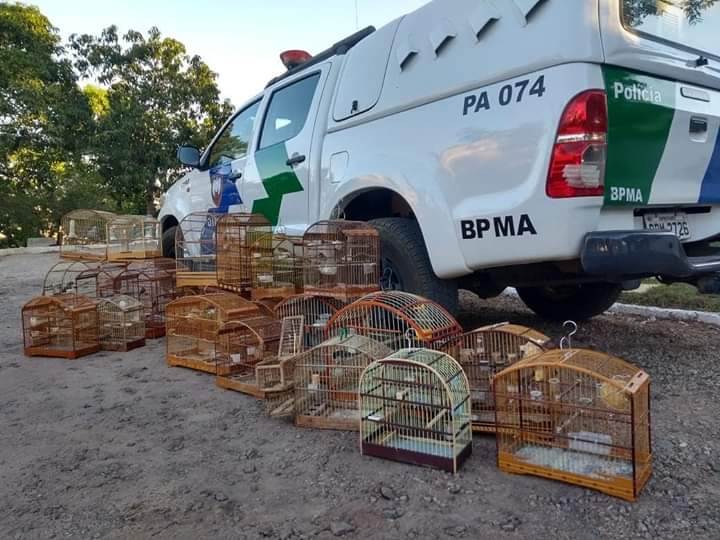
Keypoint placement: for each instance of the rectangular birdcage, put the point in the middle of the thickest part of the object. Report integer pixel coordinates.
(484, 352)
(577, 416)
(196, 250)
(341, 259)
(64, 326)
(326, 381)
(415, 408)
(133, 237)
(121, 323)
(85, 235)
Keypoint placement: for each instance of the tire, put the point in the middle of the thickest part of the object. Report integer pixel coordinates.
(168, 242)
(570, 302)
(406, 265)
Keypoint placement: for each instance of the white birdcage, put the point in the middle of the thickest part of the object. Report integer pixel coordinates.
(121, 323)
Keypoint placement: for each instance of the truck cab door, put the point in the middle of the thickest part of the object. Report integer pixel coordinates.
(278, 173)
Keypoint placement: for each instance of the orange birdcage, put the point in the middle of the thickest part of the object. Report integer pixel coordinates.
(81, 278)
(133, 237)
(85, 235)
(398, 320)
(484, 352)
(64, 326)
(121, 323)
(576, 416)
(316, 311)
(196, 251)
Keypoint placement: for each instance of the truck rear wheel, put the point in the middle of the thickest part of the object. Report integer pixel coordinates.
(168, 243)
(406, 265)
(576, 302)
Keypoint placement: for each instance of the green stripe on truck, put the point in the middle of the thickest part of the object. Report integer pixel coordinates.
(278, 179)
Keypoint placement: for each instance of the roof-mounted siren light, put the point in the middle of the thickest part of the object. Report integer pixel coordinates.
(294, 58)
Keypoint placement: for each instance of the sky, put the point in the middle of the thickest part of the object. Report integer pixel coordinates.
(240, 40)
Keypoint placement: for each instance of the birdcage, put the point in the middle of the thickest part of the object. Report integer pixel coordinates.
(326, 381)
(152, 282)
(121, 323)
(577, 416)
(486, 351)
(133, 237)
(195, 250)
(341, 259)
(398, 320)
(415, 408)
(82, 278)
(85, 235)
(316, 311)
(64, 326)
(195, 328)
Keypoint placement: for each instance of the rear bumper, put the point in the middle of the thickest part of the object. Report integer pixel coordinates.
(640, 254)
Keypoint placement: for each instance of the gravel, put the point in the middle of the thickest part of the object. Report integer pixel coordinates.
(122, 446)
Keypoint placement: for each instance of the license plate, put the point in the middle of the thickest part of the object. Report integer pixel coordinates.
(676, 223)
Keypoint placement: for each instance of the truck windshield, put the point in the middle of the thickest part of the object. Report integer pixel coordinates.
(688, 23)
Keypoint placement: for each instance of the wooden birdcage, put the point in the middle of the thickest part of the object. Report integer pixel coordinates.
(196, 327)
(64, 326)
(121, 323)
(152, 282)
(133, 237)
(85, 235)
(397, 319)
(195, 250)
(577, 416)
(80, 278)
(326, 381)
(341, 259)
(317, 312)
(486, 351)
(415, 408)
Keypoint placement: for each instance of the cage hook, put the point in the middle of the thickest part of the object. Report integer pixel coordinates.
(566, 341)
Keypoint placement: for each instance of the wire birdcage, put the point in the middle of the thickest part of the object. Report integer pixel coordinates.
(486, 351)
(121, 323)
(194, 326)
(577, 416)
(276, 372)
(64, 326)
(341, 259)
(81, 278)
(85, 235)
(317, 312)
(133, 237)
(326, 381)
(415, 408)
(397, 319)
(244, 248)
(195, 250)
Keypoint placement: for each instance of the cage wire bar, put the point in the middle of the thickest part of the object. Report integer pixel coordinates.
(121, 323)
(341, 259)
(398, 320)
(415, 408)
(577, 416)
(316, 311)
(195, 328)
(133, 237)
(486, 351)
(85, 235)
(81, 278)
(64, 326)
(195, 250)
(326, 381)
(244, 251)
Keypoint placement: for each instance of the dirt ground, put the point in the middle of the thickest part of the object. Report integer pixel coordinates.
(122, 446)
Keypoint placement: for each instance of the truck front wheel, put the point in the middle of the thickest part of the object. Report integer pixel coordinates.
(168, 242)
(575, 302)
(406, 265)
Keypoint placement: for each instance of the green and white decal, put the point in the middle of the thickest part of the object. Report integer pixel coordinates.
(653, 157)
(278, 179)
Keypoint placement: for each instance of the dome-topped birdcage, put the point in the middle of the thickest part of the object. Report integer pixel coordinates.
(85, 235)
(577, 416)
(484, 352)
(397, 319)
(121, 323)
(82, 278)
(316, 311)
(341, 259)
(196, 251)
(133, 237)
(415, 408)
(64, 326)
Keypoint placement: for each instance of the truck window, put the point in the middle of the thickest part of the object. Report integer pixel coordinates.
(287, 112)
(234, 140)
(689, 23)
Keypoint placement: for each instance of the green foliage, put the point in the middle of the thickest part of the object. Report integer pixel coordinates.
(678, 296)
(635, 11)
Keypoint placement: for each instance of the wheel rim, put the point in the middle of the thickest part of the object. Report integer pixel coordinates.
(390, 279)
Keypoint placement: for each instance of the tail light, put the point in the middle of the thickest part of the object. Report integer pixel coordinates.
(578, 161)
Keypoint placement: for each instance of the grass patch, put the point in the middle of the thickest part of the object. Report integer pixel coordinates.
(678, 296)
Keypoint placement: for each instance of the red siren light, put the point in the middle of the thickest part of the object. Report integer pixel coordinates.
(294, 58)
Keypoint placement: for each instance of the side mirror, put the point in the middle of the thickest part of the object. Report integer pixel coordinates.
(189, 156)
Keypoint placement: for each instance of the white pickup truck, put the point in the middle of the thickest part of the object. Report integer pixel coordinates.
(565, 148)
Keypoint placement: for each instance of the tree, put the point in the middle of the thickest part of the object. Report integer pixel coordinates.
(635, 11)
(158, 97)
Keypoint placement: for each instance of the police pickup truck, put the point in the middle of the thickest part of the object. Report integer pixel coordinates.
(567, 149)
